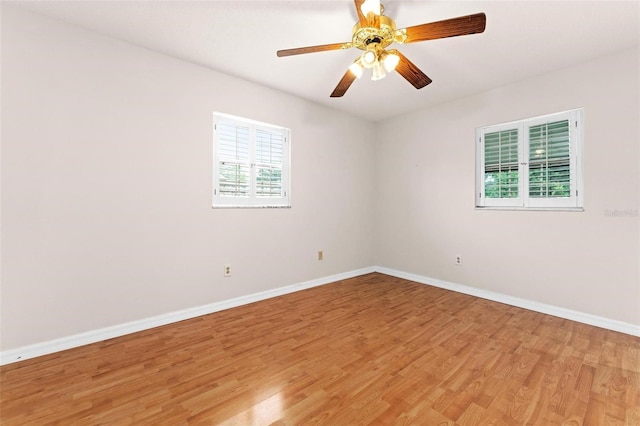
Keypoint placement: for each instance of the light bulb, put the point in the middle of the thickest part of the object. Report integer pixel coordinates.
(369, 58)
(356, 69)
(370, 6)
(390, 61)
(378, 71)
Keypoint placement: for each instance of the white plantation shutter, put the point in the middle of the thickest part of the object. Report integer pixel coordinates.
(552, 160)
(499, 182)
(233, 160)
(270, 147)
(549, 155)
(251, 163)
(501, 165)
(532, 163)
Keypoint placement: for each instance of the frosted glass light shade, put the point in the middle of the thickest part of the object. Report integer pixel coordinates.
(390, 61)
(356, 69)
(369, 58)
(378, 71)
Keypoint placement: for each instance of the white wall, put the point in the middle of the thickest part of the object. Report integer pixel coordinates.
(586, 261)
(106, 186)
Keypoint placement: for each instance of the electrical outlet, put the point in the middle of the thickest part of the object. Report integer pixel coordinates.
(227, 270)
(320, 255)
(458, 260)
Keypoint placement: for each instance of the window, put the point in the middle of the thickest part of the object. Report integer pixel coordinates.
(251, 163)
(534, 163)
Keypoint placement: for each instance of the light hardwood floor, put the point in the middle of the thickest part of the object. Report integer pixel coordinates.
(369, 350)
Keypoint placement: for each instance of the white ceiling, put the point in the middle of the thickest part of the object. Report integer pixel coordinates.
(522, 39)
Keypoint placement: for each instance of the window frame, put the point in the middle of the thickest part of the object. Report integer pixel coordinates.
(575, 201)
(252, 200)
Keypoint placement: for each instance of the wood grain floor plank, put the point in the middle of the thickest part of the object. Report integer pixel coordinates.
(369, 350)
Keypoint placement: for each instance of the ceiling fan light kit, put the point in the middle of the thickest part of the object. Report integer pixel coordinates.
(374, 32)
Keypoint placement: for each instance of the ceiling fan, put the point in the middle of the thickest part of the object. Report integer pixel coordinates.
(374, 32)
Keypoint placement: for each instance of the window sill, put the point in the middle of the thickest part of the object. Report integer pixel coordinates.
(534, 209)
(250, 207)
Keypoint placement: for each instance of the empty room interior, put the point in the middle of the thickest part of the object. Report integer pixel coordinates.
(320, 212)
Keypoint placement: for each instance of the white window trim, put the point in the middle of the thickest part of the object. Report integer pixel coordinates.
(252, 201)
(575, 202)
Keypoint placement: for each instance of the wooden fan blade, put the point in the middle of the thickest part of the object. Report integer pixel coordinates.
(347, 80)
(374, 20)
(361, 18)
(463, 25)
(312, 49)
(411, 72)
(369, 20)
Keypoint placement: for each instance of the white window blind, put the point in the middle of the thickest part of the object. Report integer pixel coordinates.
(251, 163)
(532, 163)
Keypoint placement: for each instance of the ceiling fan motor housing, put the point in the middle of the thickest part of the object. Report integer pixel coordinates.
(366, 38)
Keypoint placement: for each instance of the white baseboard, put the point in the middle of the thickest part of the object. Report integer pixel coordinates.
(52, 346)
(64, 343)
(556, 311)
